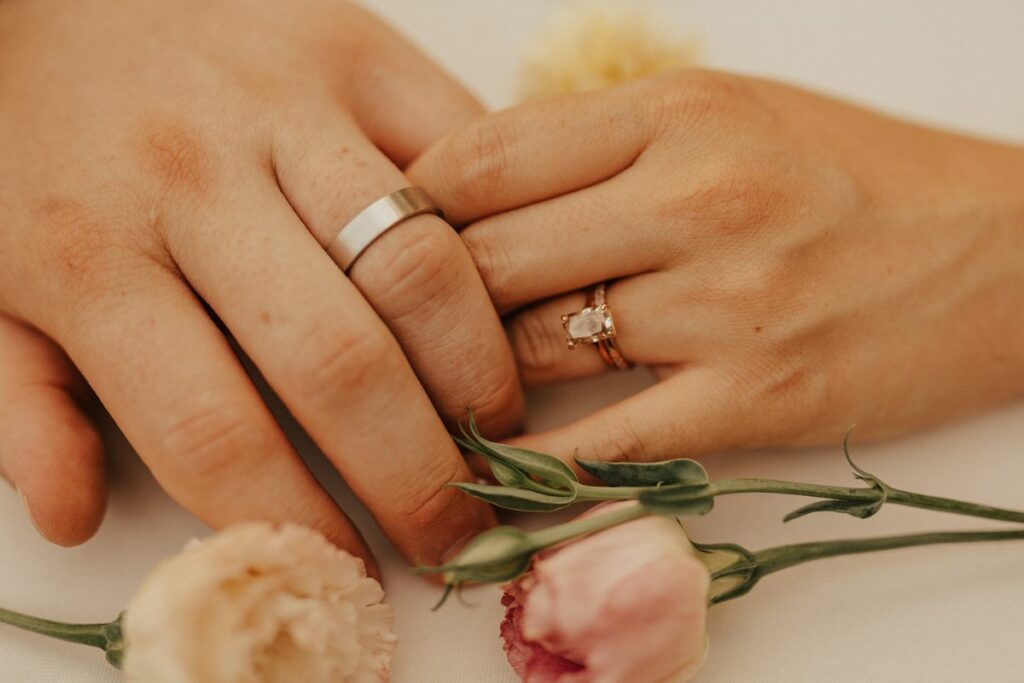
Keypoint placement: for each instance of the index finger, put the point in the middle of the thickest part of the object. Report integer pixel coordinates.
(532, 152)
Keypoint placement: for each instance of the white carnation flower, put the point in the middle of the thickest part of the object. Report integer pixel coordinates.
(259, 604)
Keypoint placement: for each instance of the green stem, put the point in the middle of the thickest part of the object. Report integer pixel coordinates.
(867, 495)
(560, 533)
(771, 560)
(796, 488)
(106, 637)
(738, 576)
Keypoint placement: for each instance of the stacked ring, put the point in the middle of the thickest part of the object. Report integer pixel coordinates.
(594, 324)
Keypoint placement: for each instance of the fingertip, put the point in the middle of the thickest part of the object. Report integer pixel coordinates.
(65, 522)
(342, 534)
(442, 535)
(58, 471)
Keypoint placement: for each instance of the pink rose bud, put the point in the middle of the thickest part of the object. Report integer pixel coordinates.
(624, 605)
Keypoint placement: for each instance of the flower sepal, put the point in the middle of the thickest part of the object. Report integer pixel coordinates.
(519, 499)
(519, 467)
(681, 471)
(734, 569)
(497, 555)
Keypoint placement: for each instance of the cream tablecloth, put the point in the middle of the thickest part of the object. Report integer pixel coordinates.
(934, 614)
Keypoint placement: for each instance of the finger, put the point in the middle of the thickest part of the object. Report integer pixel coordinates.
(533, 152)
(419, 277)
(49, 450)
(658, 317)
(598, 233)
(408, 102)
(540, 348)
(181, 396)
(333, 363)
(695, 412)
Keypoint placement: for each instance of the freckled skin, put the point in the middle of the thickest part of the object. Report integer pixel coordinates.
(77, 238)
(171, 174)
(789, 264)
(178, 158)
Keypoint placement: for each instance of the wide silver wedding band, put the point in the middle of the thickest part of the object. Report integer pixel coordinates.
(375, 220)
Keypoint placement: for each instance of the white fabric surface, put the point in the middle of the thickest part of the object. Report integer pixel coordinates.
(934, 614)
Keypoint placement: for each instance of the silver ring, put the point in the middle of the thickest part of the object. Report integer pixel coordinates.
(375, 220)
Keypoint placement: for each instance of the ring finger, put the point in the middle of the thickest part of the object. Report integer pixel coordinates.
(418, 276)
(654, 325)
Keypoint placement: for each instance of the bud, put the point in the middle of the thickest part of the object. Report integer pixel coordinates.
(497, 555)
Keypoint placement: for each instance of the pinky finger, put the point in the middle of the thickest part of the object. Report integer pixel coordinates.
(49, 450)
(693, 412)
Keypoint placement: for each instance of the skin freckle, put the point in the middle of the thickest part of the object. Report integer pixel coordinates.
(177, 156)
(73, 232)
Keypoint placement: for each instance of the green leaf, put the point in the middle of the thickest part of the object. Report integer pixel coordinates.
(681, 499)
(681, 471)
(523, 500)
(504, 473)
(546, 468)
(861, 474)
(854, 508)
(858, 509)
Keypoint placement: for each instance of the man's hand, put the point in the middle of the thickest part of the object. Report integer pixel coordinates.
(171, 165)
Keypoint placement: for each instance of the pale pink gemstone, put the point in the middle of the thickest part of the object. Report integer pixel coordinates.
(589, 323)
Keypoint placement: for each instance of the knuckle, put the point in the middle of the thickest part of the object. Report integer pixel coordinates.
(89, 255)
(620, 441)
(416, 265)
(75, 236)
(338, 358)
(476, 161)
(740, 199)
(496, 401)
(493, 262)
(176, 155)
(425, 504)
(538, 348)
(787, 379)
(206, 443)
(754, 283)
(693, 95)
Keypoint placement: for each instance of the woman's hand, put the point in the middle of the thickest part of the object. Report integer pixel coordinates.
(168, 166)
(788, 264)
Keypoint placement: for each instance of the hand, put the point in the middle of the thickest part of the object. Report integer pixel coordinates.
(788, 264)
(169, 166)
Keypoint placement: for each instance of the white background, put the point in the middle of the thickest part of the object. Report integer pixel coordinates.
(934, 614)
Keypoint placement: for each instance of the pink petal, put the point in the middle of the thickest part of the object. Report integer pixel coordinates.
(531, 662)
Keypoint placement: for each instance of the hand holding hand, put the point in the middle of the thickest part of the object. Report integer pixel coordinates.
(172, 166)
(788, 264)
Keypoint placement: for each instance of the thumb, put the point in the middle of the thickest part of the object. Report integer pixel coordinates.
(49, 450)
